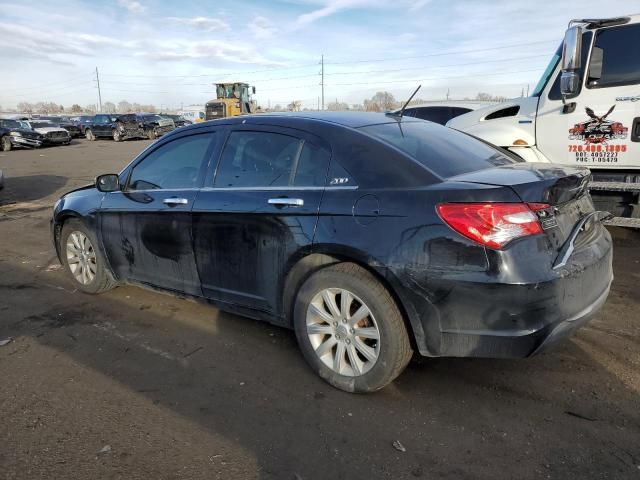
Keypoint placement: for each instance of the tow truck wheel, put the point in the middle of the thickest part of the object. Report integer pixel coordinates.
(116, 135)
(89, 135)
(6, 144)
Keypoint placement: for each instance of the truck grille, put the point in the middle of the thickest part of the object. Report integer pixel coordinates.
(214, 110)
(57, 135)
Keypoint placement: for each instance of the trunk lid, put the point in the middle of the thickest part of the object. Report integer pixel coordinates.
(565, 189)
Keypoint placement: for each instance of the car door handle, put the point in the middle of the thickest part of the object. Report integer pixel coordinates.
(291, 202)
(175, 201)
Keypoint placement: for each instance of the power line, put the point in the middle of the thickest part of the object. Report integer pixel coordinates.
(452, 52)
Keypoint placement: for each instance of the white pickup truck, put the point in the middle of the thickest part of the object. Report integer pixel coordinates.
(585, 111)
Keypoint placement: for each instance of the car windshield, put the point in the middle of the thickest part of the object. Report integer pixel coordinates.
(11, 124)
(42, 124)
(547, 72)
(151, 118)
(444, 151)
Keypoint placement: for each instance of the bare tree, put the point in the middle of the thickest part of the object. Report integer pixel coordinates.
(124, 107)
(75, 108)
(337, 106)
(294, 106)
(25, 107)
(109, 107)
(91, 109)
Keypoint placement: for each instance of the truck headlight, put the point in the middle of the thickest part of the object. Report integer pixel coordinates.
(15, 134)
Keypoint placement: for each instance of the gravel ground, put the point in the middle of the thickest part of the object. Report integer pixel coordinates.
(136, 384)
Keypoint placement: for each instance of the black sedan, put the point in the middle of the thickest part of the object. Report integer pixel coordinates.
(371, 235)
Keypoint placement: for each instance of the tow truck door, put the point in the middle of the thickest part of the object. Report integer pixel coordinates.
(599, 126)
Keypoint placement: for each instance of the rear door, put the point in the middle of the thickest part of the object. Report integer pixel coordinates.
(102, 126)
(603, 131)
(258, 210)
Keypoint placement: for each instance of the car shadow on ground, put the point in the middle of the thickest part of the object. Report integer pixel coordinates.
(562, 414)
(30, 188)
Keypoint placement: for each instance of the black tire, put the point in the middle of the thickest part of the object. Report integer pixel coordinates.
(394, 348)
(115, 134)
(88, 134)
(6, 144)
(151, 134)
(102, 280)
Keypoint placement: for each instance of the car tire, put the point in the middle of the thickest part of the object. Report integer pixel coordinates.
(78, 249)
(151, 134)
(373, 351)
(6, 144)
(115, 134)
(89, 135)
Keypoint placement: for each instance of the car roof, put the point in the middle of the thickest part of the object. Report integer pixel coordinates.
(347, 119)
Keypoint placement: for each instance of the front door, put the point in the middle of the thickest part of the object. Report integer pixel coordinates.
(599, 132)
(146, 227)
(258, 213)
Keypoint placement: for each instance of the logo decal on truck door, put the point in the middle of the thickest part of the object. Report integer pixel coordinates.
(597, 139)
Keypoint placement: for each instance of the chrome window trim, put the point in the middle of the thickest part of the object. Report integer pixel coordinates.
(240, 189)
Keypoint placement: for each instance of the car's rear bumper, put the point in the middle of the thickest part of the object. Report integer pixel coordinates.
(474, 316)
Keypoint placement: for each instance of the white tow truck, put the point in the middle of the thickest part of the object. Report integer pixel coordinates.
(585, 110)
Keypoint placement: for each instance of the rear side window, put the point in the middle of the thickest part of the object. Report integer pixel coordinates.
(615, 59)
(267, 159)
(445, 151)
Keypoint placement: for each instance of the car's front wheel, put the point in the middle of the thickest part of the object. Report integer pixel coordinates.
(83, 259)
(350, 330)
(6, 144)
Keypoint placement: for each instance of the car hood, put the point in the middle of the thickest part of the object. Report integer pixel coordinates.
(46, 130)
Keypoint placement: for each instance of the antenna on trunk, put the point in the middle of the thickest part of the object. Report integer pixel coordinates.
(401, 112)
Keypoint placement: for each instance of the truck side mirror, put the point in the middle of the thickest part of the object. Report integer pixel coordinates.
(571, 61)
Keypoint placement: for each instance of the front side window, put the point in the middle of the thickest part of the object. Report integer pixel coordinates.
(176, 164)
(615, 60)
(258, 159)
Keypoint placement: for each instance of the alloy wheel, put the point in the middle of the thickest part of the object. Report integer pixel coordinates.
(81, 257)
(343, 332)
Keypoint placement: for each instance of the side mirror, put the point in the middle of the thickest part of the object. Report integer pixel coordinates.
(571, 61)
(254, 90)
(108, 183)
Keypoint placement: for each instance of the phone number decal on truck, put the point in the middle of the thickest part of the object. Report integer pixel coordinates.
(597, 139)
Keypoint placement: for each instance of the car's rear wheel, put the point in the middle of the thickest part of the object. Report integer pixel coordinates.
(89, 135)
(350, 330)
(83, 259)
(6, 144)
(117, 136)
(151, 134)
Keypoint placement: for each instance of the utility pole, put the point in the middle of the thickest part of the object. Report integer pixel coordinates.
(527, 89)
(322, 78)
(99, 93)
(447, 94)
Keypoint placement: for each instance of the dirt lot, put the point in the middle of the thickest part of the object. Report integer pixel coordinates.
(135, 384)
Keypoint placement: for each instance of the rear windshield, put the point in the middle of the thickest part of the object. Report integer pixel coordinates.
(445, 151)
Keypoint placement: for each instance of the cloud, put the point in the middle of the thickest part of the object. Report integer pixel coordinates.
(207, 50)
(201, 23)
(417, 5)
(329, 7)
(262, 28)
(132, 5)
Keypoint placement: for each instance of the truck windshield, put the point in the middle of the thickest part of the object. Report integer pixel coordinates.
(547, 72)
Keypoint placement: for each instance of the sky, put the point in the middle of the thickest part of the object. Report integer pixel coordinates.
(169, 53)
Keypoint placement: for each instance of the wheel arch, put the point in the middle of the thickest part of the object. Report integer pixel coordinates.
(308, 263)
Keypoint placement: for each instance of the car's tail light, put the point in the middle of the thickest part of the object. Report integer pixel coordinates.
(492, 224)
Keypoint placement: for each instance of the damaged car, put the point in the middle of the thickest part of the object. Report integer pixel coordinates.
(372, 236)
(14, 134)
(154, 125)
(51, 133)
(66, 123)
